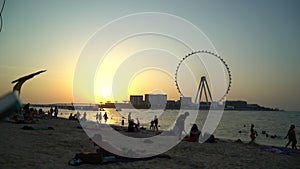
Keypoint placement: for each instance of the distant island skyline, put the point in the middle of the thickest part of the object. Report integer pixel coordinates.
(160, 101)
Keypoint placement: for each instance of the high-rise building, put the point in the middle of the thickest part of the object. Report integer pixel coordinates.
(136, 99)
(185, 101)
(156, 101)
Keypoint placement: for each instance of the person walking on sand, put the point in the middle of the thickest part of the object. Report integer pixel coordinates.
(180, 124)
(253, 134)
(292, 137)
(105, 117)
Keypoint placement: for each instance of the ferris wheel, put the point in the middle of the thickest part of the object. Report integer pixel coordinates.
(229, 79)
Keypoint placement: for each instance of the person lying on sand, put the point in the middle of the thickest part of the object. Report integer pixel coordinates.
(102, 156)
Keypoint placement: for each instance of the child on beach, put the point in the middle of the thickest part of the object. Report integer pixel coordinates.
(152, 125)
(292, 137)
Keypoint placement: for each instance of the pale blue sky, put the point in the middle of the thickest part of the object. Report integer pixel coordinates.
(258, 39)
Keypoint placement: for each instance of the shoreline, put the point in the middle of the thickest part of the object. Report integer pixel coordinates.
(118, 124)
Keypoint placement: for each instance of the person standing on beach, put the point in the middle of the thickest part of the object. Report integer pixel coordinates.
(155, 123)
(105, 117)
(51, 111)
(55, 111)
(292, 137)
(129, 117)
(100, 117)
(97, 117)
(84, 117)
(253, 134)
(179, 125)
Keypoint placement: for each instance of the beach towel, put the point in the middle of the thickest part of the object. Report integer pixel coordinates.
(98, 158)
(89, 157)
(278, 151)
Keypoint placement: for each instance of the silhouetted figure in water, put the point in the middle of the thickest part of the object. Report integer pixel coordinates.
(253, 134)
(292, 137)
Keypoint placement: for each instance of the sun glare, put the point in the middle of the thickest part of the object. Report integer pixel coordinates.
(105, 92)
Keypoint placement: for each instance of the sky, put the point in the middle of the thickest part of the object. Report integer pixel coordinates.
(259, 40)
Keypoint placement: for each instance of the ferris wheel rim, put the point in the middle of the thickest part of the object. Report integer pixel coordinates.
(210, 53)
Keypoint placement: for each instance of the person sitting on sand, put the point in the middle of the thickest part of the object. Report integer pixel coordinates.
(253, 134)
(194, 134)
(131, 126)
(71, 116)
(152, 125)
(292, 137)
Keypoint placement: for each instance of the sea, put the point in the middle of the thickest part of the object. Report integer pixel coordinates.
(271, 126)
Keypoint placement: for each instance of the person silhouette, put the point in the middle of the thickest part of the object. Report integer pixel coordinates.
(97, 117)
(253, 134)
(194, 134)
(105, 117)
(180, 123)
(292, 137)
(84, 117)
(155, 120)
(129, 117)
(55, 111)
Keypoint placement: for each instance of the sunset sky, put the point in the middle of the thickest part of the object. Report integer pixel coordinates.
(258, 39)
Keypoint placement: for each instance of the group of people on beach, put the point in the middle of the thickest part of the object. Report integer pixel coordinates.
(99, 117)
(291, 135)
(29, 114)
(51, 111)
(132, 125)
(154, 124)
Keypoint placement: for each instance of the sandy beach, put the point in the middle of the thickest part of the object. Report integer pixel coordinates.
(44, 148)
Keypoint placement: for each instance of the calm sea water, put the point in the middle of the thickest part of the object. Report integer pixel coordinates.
(233, 125)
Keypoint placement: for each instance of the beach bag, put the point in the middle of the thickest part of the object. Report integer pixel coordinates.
(89, 157)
